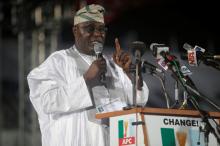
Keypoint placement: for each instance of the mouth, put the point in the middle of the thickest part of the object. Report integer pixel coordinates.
(97, 41)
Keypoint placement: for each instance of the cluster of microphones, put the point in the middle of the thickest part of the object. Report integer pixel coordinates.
(167, 61)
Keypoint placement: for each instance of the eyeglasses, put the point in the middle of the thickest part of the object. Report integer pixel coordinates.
(92, 29)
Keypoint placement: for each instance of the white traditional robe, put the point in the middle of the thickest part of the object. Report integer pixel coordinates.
(66, 106)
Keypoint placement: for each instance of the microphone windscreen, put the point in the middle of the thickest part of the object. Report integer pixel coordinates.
(152, 45)
(138, 45)
(98, 47)
(157, 49)
(187, 46)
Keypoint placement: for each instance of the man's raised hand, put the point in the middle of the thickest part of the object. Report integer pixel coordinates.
(121, 58)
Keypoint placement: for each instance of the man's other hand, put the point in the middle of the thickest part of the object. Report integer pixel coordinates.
(121, 58)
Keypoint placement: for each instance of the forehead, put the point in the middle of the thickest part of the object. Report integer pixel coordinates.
(93, 23)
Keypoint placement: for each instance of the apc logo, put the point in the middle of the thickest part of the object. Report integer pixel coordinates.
(126, 132)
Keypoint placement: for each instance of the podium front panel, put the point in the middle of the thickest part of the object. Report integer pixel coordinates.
(176, 131)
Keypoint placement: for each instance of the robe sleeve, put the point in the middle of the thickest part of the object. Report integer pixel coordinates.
(56, 87)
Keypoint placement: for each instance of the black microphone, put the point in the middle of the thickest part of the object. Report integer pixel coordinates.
(151, 67)
(138, 49)
(98, 48)
(209, 56)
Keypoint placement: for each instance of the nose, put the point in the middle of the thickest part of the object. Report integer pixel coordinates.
(98, 33)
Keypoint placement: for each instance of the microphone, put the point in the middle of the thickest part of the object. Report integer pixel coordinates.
(157, 49)
(167, 56)
(170, 62)
(138, 49)
(151, 67)
(208, 56)
(183, 71)
(187, 46)
(98, 48)
(192, 54)
(195, 54)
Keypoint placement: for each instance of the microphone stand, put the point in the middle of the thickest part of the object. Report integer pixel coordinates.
(138, 48)
(154, 72)
(204, 115)
(166, 95)
(195, 92)
(134, 70)
(176, 90)
(205, 119)
(189, 85)
(135, 84)
(134, 79)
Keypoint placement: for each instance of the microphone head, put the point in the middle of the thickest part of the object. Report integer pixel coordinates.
(153, 45)
(98, 47)
(187, 46)
(138, 48)
(157, 49)
(138, 45)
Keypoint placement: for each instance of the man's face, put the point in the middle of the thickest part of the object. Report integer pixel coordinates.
(86, 34)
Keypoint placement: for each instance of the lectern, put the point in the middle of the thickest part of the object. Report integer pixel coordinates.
(159, 127)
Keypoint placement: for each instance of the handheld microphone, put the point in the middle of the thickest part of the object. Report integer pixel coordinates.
(98, 48)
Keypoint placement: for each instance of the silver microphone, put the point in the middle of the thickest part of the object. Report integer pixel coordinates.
(98, 48)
